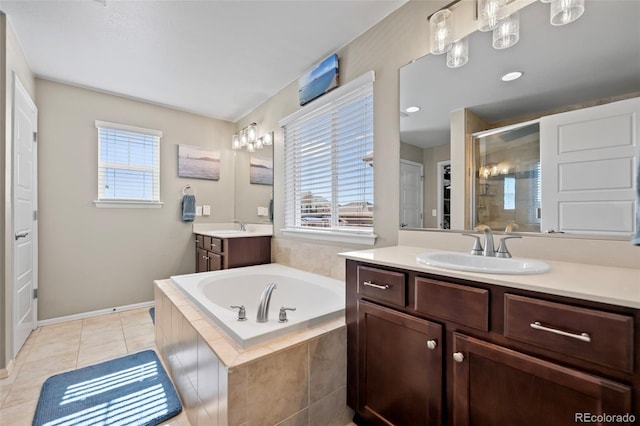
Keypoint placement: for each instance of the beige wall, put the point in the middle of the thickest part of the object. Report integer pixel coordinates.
(392, 43)
(96, 258)
(12, 62)
(411, 152)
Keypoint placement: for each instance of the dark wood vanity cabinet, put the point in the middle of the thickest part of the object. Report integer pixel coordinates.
(213, 254)
(430, 350)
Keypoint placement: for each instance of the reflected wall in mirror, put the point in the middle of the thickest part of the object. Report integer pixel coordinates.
(591, 61)
(254, 195)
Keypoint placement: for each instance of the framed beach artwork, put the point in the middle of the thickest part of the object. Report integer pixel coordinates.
(198, 162)
(261, 171)
(320, 80)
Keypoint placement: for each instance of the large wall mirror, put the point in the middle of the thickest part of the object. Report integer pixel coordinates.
(254, 185)
(592, 61)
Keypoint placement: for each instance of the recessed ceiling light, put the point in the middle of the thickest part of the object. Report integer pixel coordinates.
(510, 76)
(412, 109)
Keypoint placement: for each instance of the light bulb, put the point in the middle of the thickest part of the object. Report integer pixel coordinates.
(507, 33)
(268, 139)
(566, 11)
(252, 132)
(458, 55)
(441, 31)
(489, 13)
(235, 141)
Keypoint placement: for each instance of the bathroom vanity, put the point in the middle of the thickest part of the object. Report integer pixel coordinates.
(217, 250)
(429, 346)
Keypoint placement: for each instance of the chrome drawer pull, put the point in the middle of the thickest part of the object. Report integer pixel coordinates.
(582, 336)
(381, 287)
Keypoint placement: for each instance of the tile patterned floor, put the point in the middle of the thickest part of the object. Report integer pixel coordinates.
(66, 346)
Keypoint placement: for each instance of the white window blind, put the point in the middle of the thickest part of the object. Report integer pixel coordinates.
(329, 164)
(128, 164)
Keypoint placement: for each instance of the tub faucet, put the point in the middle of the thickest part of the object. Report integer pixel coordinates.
(263, 304)
(488, 251)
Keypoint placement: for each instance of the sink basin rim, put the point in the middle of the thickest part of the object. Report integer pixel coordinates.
(488, 265)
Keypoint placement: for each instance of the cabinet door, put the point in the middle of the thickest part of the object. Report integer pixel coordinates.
(215, 261)
(493, 385)
(399, 367)
(202, 260)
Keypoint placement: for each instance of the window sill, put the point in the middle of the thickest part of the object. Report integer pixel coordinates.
(368, 239)
(127, 204)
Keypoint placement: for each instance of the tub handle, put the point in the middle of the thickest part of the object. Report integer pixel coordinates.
(242, 312)
(380, 286)
(282, 317)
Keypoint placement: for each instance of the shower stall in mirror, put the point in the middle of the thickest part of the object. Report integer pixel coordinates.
(507, 178)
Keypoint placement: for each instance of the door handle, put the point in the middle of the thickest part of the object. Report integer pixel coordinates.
(22, 234)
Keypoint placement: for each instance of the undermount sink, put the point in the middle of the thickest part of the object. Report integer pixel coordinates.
(488, 265)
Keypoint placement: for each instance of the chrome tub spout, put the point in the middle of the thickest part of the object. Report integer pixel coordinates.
(263, 304)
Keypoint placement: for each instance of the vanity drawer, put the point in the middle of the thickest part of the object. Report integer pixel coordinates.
(596, 336)
(382, 285)
(458, 303)
(213, 244)
(199, 241)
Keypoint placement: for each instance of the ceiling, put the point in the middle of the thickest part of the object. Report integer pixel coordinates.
(594, 57)
(220, 59)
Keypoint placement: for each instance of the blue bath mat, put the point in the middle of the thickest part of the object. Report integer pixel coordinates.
(132, 390)
(152, 313)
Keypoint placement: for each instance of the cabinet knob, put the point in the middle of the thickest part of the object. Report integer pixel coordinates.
(432, 344)
(458, 357)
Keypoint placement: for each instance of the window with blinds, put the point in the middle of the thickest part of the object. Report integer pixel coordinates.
(329, 162)
(128, 164)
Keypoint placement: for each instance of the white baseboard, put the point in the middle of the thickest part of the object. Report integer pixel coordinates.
(94, 313)
(4, 372)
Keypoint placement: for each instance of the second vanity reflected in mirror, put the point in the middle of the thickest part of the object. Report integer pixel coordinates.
(495, 177)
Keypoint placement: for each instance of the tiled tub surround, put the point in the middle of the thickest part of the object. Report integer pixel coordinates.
(297, 379)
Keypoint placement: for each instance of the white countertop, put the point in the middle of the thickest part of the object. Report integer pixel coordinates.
(616, 286)
(230, 230)
(222, 233)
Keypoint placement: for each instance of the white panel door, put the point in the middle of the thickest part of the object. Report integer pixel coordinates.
(25, 117)
(588, 161)
(411, 190)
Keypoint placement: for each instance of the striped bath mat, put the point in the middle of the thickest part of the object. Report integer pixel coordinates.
(132, 390)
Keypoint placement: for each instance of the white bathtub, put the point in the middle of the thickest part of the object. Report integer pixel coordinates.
(316, 298)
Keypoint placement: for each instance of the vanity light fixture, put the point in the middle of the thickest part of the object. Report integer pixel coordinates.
(248, 139)
(491, 17)
(566, 11)
(510, 76)
(412, 109)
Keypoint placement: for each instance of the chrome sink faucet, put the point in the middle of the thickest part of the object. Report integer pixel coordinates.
(241, 225)
(263, 304)
(488, 249)
(488, 240)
